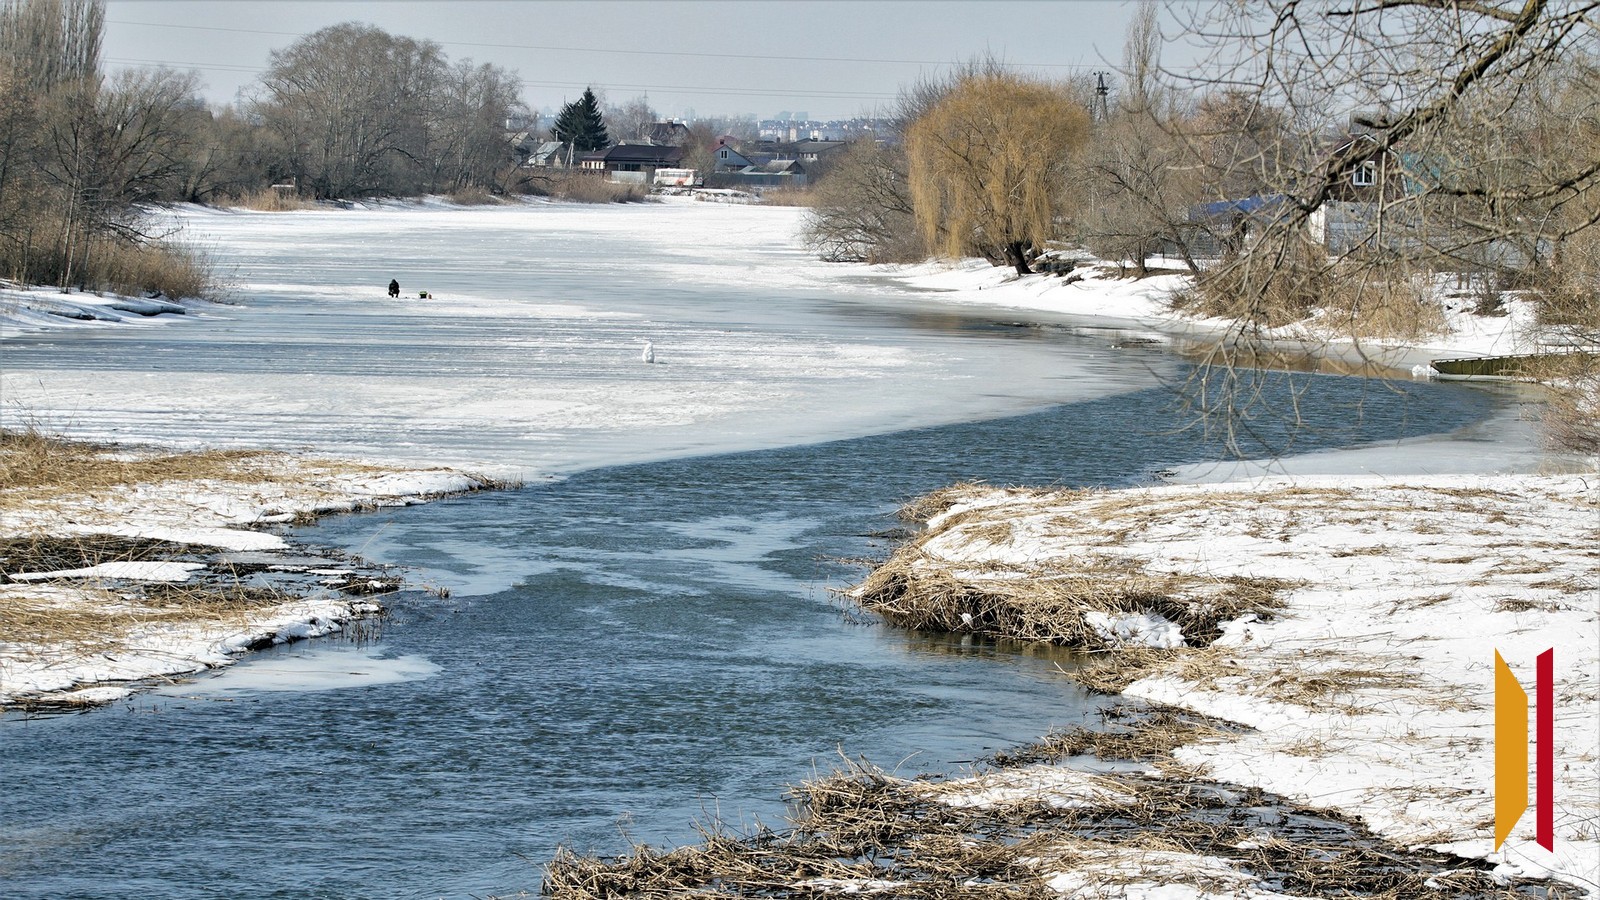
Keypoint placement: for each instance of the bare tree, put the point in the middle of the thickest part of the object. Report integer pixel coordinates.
(632, 120)
(468, 145)
(350, 103)
(1144, 175)
(862, 209)
(1439, 133)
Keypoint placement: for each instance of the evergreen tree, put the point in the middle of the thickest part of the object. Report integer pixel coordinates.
(581, 125)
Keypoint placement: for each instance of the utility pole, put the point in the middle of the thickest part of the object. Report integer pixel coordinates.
(1101, 110)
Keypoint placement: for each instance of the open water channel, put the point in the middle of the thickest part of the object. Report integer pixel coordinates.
(624, 650)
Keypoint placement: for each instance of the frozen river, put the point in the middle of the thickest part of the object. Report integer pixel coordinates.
(644, 643)
(528, 356)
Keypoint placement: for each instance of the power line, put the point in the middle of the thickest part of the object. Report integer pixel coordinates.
(757, 56)
(574, 85)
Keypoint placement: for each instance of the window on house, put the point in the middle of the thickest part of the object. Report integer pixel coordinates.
(723, 154)
(1365, 175)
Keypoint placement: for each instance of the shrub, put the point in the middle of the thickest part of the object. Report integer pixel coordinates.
(583, 187)
(271, 199)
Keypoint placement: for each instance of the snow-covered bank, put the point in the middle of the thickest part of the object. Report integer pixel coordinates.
(1371, 690)
(1098, 292)
(30, 310)
(90, 630)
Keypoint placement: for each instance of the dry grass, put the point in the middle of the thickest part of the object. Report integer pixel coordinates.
(1143, 734)
(803, 197)
(36, 464)
(927, 506)
(272, 199)
(584, 187)
(860, 830)
(103, 618)
(911, 590)
(45, 553)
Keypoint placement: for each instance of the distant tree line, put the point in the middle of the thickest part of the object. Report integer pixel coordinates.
(348, 112)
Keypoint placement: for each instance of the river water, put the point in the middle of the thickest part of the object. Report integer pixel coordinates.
(625, 650)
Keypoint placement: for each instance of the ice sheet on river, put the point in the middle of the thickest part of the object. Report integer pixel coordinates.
(528, 355)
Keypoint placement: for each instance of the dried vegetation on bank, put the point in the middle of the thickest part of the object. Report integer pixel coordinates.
(1018, 830)
(119, 564)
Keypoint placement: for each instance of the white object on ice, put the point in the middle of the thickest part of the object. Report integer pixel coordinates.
(649, 354)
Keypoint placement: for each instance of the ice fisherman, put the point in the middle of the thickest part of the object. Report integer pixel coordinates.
(394, 288)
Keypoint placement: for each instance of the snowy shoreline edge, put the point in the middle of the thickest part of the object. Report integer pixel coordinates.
(1369, 689)
(116, 587)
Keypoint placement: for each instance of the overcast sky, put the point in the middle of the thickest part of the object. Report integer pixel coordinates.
(827, 59)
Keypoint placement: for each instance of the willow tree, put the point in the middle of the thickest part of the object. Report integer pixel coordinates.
(989, 166)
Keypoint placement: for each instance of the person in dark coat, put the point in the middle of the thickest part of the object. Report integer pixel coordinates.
(394, 288)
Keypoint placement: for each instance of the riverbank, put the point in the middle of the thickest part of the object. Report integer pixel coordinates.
(1318, 654)
(1100, 291)
(1350, 623)
(121, 566)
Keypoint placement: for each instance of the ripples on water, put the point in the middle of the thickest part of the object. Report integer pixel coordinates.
(625, 651)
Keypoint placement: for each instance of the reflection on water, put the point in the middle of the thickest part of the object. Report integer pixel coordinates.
(309, 666)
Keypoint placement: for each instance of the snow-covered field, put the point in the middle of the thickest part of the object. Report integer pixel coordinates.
(528, 361)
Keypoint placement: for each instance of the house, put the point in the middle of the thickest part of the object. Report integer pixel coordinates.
(669, 134)
(638, 162)
(1232, 225)
(734, 156)
(523, 144)
(777, 173)
(1362, 171)
(548, 155)
(728, 157)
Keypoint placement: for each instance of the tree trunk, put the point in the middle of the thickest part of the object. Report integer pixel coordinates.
(1016, 256)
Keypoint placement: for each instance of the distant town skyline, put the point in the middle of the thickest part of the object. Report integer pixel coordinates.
(830, 60)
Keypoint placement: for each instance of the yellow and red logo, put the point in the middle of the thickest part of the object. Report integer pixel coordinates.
(1511, 750)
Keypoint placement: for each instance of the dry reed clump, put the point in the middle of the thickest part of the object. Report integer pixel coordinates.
(912, 590)
(1273, 285)
(862, 831)
(1286, 279)
(40, 616)
(272, 199)
(1369, 304)
(1571, 417)
(34, 463)
(120, 261)
(579, 186)
(1142, 734)
(472, 196)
